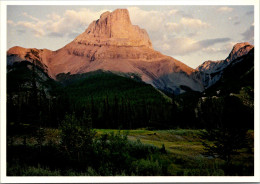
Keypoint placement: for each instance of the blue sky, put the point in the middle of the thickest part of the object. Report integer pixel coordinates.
(191, 34)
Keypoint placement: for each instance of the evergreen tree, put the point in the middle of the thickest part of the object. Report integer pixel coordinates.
(226, 131)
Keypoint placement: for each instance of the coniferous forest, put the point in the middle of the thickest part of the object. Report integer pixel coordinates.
(103, 123)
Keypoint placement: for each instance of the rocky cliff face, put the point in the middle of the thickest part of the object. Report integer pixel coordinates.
(211, 71)
(40, 57)
(112, 43)
(240, 49)
(114, 29)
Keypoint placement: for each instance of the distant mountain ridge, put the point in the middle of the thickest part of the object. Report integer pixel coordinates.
(212, 71)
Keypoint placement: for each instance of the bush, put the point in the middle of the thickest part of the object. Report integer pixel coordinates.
(147, 167)
(76, 139)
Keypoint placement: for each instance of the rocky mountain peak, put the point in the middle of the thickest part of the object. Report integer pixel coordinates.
(114, 29)
(112, 43)
(239, 50)
(213, 70)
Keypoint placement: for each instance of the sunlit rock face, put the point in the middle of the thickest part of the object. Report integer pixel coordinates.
(114, 29)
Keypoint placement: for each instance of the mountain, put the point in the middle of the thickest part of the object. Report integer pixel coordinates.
(112, 43)
(236, 77)
(212, 71)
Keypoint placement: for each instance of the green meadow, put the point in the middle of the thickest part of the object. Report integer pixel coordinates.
(177, 152)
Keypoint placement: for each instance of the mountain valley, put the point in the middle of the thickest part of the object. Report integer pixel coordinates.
(109, 104)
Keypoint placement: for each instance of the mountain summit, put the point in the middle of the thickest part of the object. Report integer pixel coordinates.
(213, 70)
(114, 29)
(239, 50)
(112, 43)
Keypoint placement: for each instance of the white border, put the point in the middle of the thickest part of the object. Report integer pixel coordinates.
(5, 179)
(3, 90)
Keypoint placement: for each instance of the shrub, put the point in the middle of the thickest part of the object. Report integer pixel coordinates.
(147, 167)
(75, 138)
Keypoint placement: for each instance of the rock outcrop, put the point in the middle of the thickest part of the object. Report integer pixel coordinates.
(240, 49)
(114, 29)
(40, 57)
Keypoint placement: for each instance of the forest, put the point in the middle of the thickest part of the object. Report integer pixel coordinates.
(87, 124)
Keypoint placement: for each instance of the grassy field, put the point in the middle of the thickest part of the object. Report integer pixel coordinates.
(180, 141)
(184, 150)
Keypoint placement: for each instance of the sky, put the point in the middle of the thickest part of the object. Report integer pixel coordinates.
(191, 34)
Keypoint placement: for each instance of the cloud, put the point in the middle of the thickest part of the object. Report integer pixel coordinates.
(54, 16)
(58, 26)
(160, 19)
(143, 18)
(179, 13)
(172, 26)
(180, 46)
(187, 24)
(173, 12)
(29, 16)
(36, 29)
(209, 42)
(193, 23)
(71, 21)
(248, 35)
(225, 9)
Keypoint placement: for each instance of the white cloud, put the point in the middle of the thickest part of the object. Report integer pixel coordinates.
(177, 46)
(29, 16)
(184, 45)
(71, 21)
(173, 12)
(53, 16)
(180, 46)
(187, 24)
(172, 26)
(35, 28)
(193, 23)
(143, 18)
(55, 25)
(225, 9)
